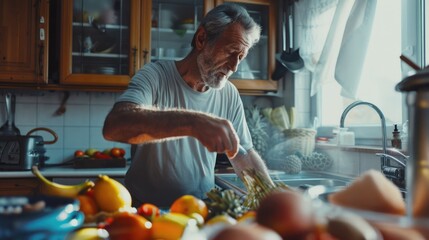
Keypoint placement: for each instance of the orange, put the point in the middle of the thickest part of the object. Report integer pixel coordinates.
(110, 195)
(248, 217)
(87, 205)
(126, 225)
(188, 204)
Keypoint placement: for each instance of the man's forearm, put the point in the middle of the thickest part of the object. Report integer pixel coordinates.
(248, 161)
(134, 124)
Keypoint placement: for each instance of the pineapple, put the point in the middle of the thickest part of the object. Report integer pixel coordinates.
(258, 127)
(291, 164)
(224, 202)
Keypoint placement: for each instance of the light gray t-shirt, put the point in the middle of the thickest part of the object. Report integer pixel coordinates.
(163, 171)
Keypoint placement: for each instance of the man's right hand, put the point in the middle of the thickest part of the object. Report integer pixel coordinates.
(217, 135)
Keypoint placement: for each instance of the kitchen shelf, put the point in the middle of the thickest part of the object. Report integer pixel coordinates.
(99, 55)
(106, 26)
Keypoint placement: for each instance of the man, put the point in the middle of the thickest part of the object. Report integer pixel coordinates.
(181, 114)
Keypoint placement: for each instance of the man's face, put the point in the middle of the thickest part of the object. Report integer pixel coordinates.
(219, 60)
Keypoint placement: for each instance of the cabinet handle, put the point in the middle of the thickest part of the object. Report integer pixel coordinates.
(41, 57)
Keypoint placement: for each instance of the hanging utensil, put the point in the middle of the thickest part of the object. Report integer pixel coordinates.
(9, 127)
(290, 59)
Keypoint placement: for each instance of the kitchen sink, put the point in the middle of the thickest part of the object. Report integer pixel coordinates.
(303, 180)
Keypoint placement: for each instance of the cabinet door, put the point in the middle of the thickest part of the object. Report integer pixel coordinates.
(174, 23)
(100, 41)
(24, 41)
(254, 72)
(19, 186)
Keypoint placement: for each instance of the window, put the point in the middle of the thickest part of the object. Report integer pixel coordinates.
(382, 71)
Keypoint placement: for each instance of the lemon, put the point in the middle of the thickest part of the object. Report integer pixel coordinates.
(110, 195)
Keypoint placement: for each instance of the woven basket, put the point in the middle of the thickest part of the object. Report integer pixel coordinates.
(302, 140)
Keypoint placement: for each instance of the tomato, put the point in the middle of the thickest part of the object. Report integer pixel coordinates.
(148, 211)
(117, 152)
(79, 153)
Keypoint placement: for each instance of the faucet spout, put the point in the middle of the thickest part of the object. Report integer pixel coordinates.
(382, 119)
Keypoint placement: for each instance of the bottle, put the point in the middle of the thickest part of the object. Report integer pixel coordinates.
(396, 141)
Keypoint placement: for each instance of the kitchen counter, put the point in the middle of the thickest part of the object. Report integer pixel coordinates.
(67, 171)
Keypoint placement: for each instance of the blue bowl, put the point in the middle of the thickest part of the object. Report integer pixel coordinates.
(54, 221)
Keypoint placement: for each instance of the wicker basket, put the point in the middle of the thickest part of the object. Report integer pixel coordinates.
(302, 140)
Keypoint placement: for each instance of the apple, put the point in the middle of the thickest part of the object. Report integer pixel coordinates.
(90, 151)
(107, 151)
(79, 153)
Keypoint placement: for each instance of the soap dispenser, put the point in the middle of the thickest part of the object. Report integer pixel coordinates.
(396, 140)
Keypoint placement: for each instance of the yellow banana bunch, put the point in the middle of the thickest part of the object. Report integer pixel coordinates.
(173, 226)
(60, 190)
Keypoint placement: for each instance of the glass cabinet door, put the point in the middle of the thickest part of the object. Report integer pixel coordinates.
(254, 72)
(99, 43)
(174, 23)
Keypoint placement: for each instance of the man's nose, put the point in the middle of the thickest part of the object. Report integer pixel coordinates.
(233, 63)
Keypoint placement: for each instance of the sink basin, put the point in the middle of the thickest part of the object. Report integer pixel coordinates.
(303, 180)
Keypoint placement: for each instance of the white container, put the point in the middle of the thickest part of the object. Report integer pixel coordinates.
(346, 138)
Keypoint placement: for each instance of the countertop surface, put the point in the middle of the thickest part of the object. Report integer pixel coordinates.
(67, 171)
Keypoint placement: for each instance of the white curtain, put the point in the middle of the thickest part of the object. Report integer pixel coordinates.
(333, 37)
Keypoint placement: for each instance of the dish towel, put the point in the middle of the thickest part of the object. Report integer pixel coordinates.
(354, 46)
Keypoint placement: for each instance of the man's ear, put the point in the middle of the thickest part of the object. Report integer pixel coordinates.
(200, 38)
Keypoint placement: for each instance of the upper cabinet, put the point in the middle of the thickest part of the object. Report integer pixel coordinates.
(173, 24)
(100, 44)
(254, 72)
(24, 41)
(102, 41)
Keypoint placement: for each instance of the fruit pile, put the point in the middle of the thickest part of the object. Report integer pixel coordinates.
(108, 153)
(281, 214)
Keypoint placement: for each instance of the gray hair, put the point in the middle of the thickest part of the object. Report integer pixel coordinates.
(219, 18)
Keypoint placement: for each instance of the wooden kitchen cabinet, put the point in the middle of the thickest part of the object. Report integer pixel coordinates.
(19, 186)
(254, 73)
(103, 42)
(24, 32)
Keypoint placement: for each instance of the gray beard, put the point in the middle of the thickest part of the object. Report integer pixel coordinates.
(209, 79)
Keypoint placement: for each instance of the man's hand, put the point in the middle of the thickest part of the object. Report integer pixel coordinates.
(217, 135)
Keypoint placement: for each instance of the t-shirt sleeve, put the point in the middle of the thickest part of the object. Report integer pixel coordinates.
(142, 87)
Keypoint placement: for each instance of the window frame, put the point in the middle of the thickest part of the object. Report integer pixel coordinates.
(414, 26)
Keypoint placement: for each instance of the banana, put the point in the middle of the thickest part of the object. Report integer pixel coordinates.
(173, 226)
(88, 233)
(60, 190)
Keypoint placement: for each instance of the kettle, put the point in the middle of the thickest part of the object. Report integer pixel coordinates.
(417, 174)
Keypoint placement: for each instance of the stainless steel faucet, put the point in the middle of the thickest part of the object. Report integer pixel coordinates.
(383, 125)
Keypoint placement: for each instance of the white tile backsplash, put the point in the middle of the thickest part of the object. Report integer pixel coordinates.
(97, 114)
(46, 117)
(80, 127)
(77, 115)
